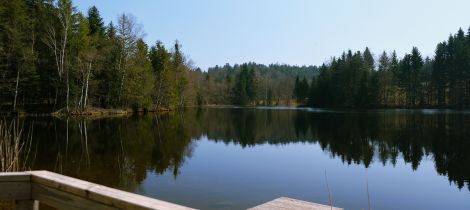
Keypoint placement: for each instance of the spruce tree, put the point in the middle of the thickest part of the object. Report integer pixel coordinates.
(95, 22)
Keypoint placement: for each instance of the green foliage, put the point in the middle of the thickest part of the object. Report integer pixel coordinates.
(352, 80)
(17, 70)
(219, 82)
(301, 90)
(244, 91)
(269, 98)
(96, 22)
(52, 55)
(170, 76)
(180, 80)
(140, 81)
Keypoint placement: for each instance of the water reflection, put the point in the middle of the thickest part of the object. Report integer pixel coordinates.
(127, 148)
(123, 148)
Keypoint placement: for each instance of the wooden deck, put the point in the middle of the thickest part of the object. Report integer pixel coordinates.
(29, 189)
(284, 203)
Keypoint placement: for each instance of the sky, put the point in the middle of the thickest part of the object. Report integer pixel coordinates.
(295, 32)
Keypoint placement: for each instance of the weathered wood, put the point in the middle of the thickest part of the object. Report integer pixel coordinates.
(27, 205)
(64, 192)
(15, 190)
(130, 201)
(62, 183)
(284, 203)
(15, 177)
(63, 200)
(93, 192)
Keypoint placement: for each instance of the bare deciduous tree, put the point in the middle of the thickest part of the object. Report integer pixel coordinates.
(57, 38)
(129, 32)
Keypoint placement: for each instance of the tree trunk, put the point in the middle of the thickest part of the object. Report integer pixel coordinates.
(159, 93)
(16, 89)
(80, 102)
(86, 86)
(68, 91)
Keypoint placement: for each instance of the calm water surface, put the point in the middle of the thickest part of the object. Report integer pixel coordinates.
(222, 158)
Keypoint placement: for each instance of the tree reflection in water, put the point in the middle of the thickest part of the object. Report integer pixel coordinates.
(126, 148)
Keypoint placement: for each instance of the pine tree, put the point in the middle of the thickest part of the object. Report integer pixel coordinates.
(296, 91)
(160, 59)
(140, 80)
(304, 90)
(440, 74)
(179, 76)
(416, 69)
(241, 86)
(460, 66)
(95, 22)
(251, 89)
(450, 68)
(385, 78)
(109, 75)
(368, 60)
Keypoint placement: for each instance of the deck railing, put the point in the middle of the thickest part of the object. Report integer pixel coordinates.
(28, 189)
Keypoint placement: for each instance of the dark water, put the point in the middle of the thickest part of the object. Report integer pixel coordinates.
(238, 158)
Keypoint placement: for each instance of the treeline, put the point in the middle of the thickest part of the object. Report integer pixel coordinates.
(352, 80)
(251, 84)
(357, 80)
(53, 55)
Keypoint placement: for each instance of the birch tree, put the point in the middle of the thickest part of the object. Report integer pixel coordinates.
(58, 34)
(86, 53)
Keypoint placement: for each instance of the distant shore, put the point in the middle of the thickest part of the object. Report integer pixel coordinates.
(91, 111)
(104, 112)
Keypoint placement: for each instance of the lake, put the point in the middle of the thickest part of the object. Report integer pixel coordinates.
(235, 158)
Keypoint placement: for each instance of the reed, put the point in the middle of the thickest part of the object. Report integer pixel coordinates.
(15, 146)
(330, 199)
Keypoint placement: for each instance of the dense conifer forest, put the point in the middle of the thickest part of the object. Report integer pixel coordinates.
(362, 80)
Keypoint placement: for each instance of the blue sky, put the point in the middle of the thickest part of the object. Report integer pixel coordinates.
(297, 32)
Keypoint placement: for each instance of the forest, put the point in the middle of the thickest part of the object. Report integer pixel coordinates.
(360, 80)
(357, 80)
(54, 57)
(252, 84)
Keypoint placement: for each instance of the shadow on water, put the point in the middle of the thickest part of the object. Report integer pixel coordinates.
(127, 148)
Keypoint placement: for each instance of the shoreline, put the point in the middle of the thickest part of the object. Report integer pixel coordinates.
(89, 112)
(104, 112)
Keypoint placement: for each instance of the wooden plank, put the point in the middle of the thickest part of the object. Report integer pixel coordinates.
(63, 200)
(60, 182)
(15, 177)
(284, 203)
(130, 201)
(27, 205)
(15, 190)
(99, 193)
